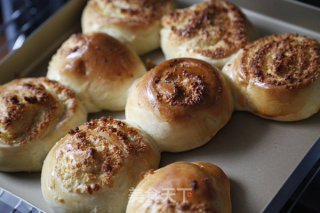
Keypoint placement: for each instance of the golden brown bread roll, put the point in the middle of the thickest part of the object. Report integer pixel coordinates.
(99, 68)
(181, 103)
(277, 77)
(182, 187)
(212, 31)
(134, 22)
(93, 167)
(34, 114)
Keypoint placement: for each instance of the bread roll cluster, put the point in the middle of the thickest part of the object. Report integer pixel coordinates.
(178, 105)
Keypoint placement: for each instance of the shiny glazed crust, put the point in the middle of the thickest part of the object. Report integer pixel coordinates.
(212, 31)
(135, 22)
(277, 77)
(181, 103)
(35, 113)
(182, 187)
(99, 68)
(96, 164)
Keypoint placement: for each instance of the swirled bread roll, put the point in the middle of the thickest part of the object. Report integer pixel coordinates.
(93, 167)
(99, 68)
(182, 187)
(181, 103)
(277, 77)
(34, 114)
(134, 22)
(212, 31)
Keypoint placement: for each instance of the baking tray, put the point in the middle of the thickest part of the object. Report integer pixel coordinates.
(258, 155)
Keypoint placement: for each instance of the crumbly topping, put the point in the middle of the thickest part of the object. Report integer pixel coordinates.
(288, 60)
(134, 12)
(182, 89)
(185, 83)
(93, 154)
(30, 107)
(178, 86)
(215, 29)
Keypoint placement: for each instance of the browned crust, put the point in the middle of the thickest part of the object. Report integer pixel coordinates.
(141, 13)
(291, 61)
(210, 20)
(177, 87)
(90, 156)
(28, 109)
(97, 56)
(195, 187)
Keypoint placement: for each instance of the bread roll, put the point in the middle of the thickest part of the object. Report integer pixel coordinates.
(34, 114)
(93, 167)
(182, 187)
(212, 31)
(181, 103)
(99, 68)
(277, 77)
(134, 22)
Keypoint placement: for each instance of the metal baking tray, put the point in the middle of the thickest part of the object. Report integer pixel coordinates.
(258, 155)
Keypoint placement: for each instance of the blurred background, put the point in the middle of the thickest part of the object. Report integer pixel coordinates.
(19, 18)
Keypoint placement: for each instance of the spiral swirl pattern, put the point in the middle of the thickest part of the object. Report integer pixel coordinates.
(95, 164)
(181, 103)
(287, 60)
(91, 155)
(211, 31)
(35, 113)
(29, 108)
(277, 77)
(183, 84)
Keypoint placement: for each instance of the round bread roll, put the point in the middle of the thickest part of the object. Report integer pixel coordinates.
(93, 167)
(212, 31)
(181, 103)
(277, 77)
(182, 187)
(34, 114)
(134, 22)
(99, 68)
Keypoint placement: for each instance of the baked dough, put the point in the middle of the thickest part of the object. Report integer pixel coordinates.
(134, 22)
(182, 187)
(212, 31)
(277, 77)
(34, 114)
(182, 103)
(99, 68)
(93, 167)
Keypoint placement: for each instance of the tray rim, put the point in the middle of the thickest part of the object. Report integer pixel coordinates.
(66, 9)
